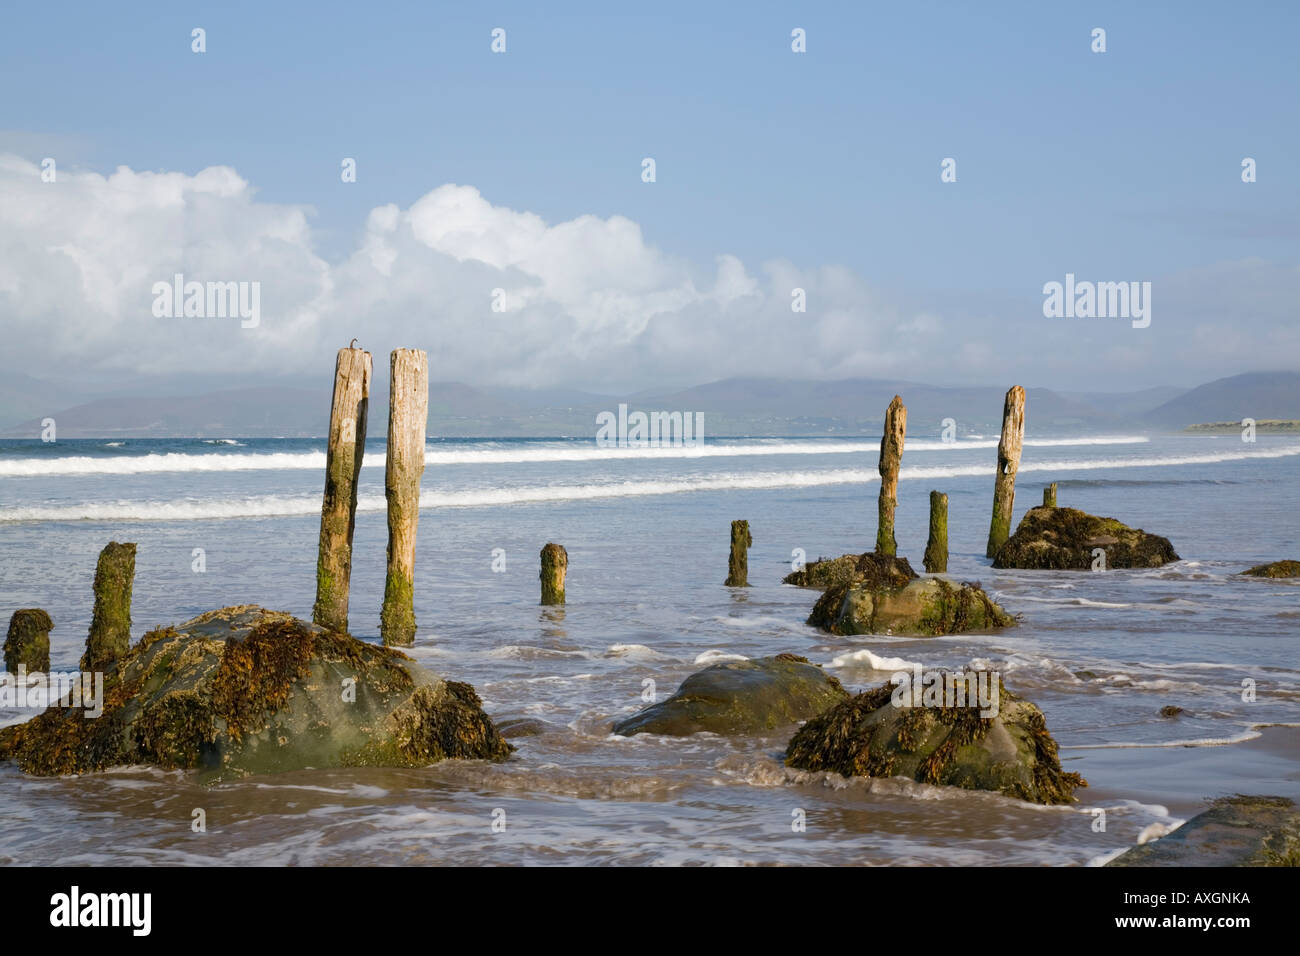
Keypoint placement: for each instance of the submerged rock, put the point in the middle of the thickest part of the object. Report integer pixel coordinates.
(880, 570)
(1278, 569)
(885, 596)
(869, 736)
(245, 690)
(1065, 538)
(740, 697)
(823, 572)
(1235, 831)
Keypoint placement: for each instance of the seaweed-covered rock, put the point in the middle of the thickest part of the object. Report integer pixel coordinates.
(1064, 539)
(1235, 831)
(28, 642)
(740, 697)
(1278, 569)
(245, 690)
(880, 570)
(870, 736)
(884, 595)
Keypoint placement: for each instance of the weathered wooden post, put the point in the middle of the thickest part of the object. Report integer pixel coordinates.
(1004, 485)
(555, 565)
(28, 642)
(936, 549)
(1049, 496)
(408, 415)
(738, 563)
(110, 625)
(891, 454)
(347, 445)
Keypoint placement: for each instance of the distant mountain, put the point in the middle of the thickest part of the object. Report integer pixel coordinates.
(1127, 405)
(736, 406)
(267, 412)
(253, 412)
(23, 397)
(857, 406)
(1251, 395)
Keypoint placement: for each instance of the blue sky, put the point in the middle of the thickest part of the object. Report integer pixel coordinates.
(1115, 166)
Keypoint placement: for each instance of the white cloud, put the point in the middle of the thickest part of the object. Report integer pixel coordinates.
(590, 303)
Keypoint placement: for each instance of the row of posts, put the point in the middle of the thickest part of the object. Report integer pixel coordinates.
(1010, 445)
(408, 414)
(27, 641)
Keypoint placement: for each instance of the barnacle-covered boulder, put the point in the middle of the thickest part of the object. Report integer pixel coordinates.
(948, 740)
(1066, 539)
(883, 595)
(1235, 831)
(244, 690)
(1276, 569)
(740, 697)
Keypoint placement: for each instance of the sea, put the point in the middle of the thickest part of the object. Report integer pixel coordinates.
(235, 521)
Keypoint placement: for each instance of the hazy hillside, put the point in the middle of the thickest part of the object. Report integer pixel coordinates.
(738, 406)
(1252, 395)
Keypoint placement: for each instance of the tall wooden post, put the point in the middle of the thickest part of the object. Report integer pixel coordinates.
(1049, 496)
(110, 625)
(555, 565)
(1004, 485)
(936, 549)
(891, 454)
(408, 415)
(738, 563)
(347, 445)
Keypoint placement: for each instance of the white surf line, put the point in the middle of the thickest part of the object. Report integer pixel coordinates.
(1250, 733)
(277, 505)
(315, 460)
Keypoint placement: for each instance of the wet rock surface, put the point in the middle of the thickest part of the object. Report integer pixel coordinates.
(244, 690)
(1010, 752)
(1065, 539)
(740, 697)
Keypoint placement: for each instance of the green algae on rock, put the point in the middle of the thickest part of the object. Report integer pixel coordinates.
(874, 568)
(110, 624)
(824, 572)
(738, 562)
(1277, 569)
(244, 690)
(869, 736)
(555, 565)
(884, 595)
(740, 697)
(935, 560)
(1065, 539)
(1235, 831)
(28, 642)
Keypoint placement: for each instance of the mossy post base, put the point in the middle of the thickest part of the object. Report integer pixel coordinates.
(738, 563)
(555, 565)
(408, 413)
(1004, 485)
(28, 641)
(891, 455)
(1049, 496)
(110, 626)
(347, 444)
(936, 549)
